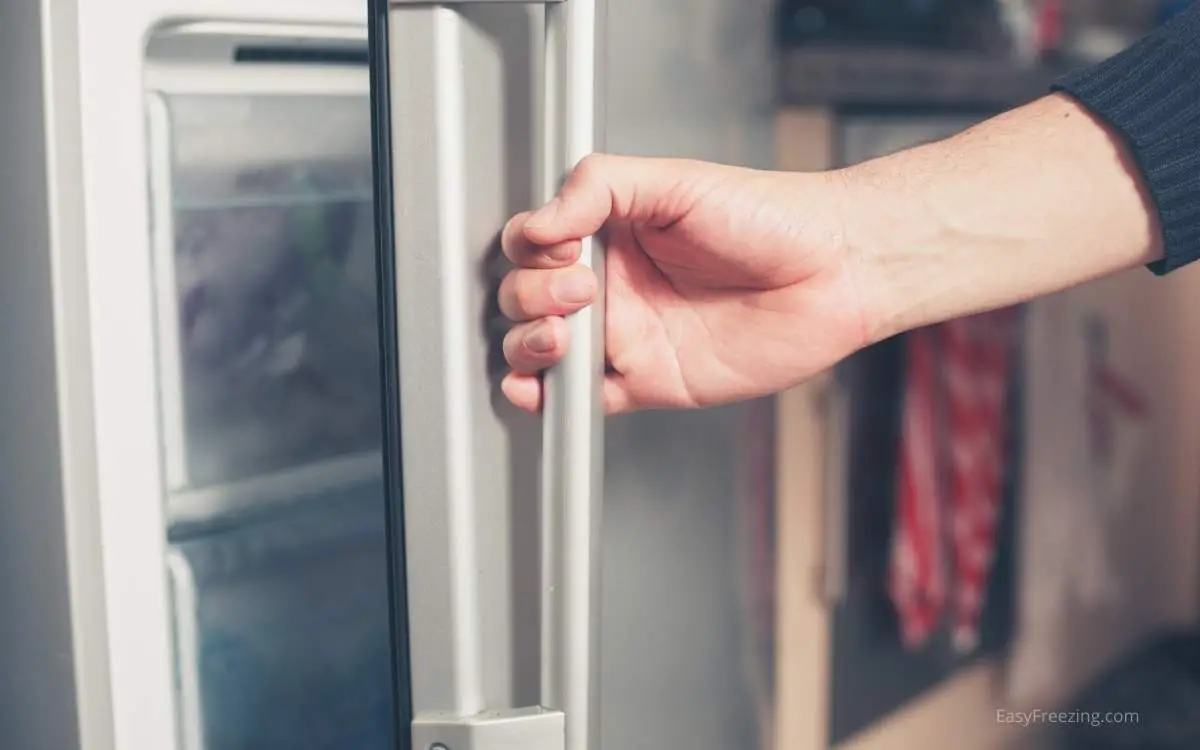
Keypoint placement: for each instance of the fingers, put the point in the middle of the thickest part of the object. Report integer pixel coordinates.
(603, 187)
(526, 253)
(600, 188)
(532, 347)
(545, 245)
(527, 294)
(525, 392)
(538, 299)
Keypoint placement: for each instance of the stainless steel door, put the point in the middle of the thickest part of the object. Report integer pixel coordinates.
(481, 108)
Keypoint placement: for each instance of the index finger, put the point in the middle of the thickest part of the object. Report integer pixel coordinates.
(524, 252)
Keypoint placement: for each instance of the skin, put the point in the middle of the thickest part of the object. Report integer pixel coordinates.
(726, 283)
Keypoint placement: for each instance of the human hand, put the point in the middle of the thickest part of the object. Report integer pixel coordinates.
(722, 283)
(727, 283)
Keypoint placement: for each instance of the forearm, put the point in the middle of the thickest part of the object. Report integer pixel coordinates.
(1034, 201)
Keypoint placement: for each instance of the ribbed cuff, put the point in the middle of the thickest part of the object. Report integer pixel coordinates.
(1150, 95)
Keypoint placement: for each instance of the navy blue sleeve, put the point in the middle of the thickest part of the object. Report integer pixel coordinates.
(1150, 95)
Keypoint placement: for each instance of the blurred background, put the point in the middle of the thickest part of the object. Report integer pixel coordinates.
(1070, 581)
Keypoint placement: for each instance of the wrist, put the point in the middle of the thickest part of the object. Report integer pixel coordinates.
(893, 244)
(1032, 202)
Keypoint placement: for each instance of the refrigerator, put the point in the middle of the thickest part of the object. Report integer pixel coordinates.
(258, 487)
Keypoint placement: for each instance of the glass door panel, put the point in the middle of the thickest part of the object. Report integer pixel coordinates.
(274, 273)
(261, 188)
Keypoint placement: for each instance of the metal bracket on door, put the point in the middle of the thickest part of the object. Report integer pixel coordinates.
(524, 728)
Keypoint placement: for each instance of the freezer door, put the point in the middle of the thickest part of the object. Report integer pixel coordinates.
(480, 108)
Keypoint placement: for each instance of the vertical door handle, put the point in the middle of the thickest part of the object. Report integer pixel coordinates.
(573, 410)
(430, 149)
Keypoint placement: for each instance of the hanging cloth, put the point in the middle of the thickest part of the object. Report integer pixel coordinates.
(950, 478)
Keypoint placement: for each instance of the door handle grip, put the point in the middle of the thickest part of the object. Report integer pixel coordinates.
(573, 409)
(433, 58)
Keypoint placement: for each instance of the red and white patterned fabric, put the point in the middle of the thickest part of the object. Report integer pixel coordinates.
(952, 461)
(917, 580)
(977, 356)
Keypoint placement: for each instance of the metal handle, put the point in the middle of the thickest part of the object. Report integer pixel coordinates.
(446, 145)
(573, 410)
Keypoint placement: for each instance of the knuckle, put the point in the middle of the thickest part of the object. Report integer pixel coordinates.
(524, 294)
(590, 167)
(510, 296)
(510, 236)
(512, 347)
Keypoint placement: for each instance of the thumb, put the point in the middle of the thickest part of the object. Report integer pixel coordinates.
(604, 187)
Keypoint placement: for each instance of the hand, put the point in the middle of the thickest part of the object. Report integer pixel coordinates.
(722, 283)
(727, 283)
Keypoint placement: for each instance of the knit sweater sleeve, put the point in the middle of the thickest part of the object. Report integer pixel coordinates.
(1150, 95)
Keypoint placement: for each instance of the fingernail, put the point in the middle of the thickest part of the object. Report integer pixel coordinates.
(572, 288)
(561, 252)
(541, 339)
(543, 215)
